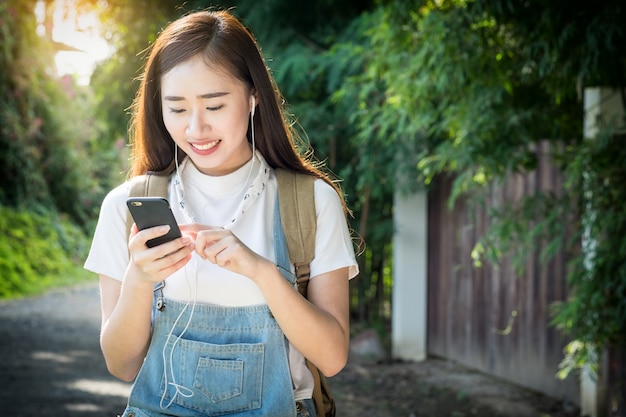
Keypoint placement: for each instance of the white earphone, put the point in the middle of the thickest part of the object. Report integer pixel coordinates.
(253, 105)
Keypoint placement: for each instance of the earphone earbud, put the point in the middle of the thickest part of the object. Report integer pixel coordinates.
(253, 102)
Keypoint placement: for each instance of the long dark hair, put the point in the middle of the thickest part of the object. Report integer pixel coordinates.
(224, 42)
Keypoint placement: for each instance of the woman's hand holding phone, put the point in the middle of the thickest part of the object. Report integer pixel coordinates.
(156, 244)
(161, 261)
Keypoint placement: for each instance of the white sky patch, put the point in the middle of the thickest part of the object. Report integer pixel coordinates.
(78, 31)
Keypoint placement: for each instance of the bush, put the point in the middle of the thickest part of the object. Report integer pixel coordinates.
(37, 249)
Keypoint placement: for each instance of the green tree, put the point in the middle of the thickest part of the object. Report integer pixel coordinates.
(472, 87)
(47, 188)
(44, 125)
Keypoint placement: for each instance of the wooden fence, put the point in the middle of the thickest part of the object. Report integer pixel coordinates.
(489, 318)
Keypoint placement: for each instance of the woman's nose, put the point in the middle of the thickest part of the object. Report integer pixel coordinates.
(197, 124)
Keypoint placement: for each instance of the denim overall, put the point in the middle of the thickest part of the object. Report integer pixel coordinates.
(229, 361)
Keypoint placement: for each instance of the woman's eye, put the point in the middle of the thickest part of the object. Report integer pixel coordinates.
(176, 110)
(216, 108)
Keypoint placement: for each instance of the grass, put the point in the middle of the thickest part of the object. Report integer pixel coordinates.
(76, 275)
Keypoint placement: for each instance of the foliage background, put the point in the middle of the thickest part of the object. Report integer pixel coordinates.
(419, 88)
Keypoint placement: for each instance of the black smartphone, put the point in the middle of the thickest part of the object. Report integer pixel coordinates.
(153, 211)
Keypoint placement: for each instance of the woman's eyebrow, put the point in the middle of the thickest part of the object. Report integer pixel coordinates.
(203, 96)
(213, 95)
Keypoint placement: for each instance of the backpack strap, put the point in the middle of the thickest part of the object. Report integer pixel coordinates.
(147, 185)
(296, 196)
(322, 397)
(299, 220)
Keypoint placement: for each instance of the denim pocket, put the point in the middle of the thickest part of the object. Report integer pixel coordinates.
(227, 373)
(214, 379)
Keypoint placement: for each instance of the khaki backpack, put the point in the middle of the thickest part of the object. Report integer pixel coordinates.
(298, 218)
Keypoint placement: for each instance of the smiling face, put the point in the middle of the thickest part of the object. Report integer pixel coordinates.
(207, 113)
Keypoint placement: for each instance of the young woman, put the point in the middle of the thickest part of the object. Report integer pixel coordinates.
(234, 333)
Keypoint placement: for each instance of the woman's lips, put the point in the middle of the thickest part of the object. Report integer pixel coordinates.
(205, 146)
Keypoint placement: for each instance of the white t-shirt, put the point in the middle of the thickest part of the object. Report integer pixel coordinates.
(213, 201)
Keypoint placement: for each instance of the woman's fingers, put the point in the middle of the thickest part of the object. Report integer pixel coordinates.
(223, 248)
(210, 242)
(139, 238)
(192, 229)
(163, 260)
(165, 266)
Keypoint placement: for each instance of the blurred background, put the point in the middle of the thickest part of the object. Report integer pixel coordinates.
(500, 122)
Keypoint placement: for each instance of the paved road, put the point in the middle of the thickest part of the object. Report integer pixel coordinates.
(50, 359)
(51, 366)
